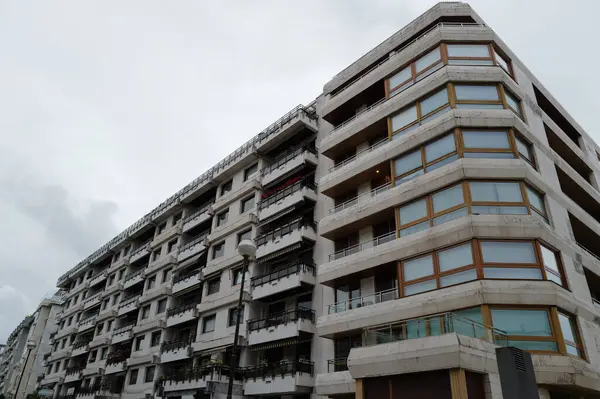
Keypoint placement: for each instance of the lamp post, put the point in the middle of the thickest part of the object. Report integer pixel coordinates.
(247, 249)
(30, 346)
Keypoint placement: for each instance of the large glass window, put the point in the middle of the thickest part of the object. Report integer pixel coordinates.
(513, 102)
(570, 333)
(413, 72)
(529, 329)
(411, 117)
(469, 54)
(478, 96)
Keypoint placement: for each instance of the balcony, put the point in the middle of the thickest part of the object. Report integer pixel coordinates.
(365, 197)
(285, 377)
(289, 162)
(176, 350)
(73, 374)
(161, 263)
(194, 247)
(166, 235)
(59, 354)
(98, 278)
(87, 323)
(367, 300)
(187, 281)
(197, 218)
(288, 235)
(133, 278)
(153, 293)
(92, 301)
(283, 279)
(129, 304)
(123, 333)
(281, 326)
(139, 253)
(115, 362)
(182, 314)
(197, 378)
(302, 190)
(363, 246)
(66, 331)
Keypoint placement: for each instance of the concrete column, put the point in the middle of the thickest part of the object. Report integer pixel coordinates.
(491, 386)
(544, 393)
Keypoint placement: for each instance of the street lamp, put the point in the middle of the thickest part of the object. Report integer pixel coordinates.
(246, 248)
(30, 346)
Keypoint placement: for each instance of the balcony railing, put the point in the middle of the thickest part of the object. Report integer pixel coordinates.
(282, 318)
(196, 240)
(337, 364)
(81, 344)
(117, 356)
(168, 346)
(281, 272)
(182, 308)
(74, 369)
(358, 155)
(124, 328)
(367, 300)
(279, 369)
(134, 274)
(141, 248)
(433, 326)
(197, 373)
(129, 300)
(361, 198)
(307, 181)
(197, 213)
(284, 230)
(359, 113)
(90, 318)
(91, 298)
(184, 276)
(363, 246)
(287, 157)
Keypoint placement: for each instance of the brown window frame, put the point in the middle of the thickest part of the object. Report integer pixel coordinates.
(478, 265)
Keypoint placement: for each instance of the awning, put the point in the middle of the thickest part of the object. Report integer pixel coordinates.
(280, 252)
(276, 344)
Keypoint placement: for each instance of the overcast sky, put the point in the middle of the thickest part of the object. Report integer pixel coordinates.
(109, 107)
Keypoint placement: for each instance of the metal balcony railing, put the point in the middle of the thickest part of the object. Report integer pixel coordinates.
(117, 357)
(184, 276)
(367, 300)
(284, 230)
(286, 157)
(142, 247)
(196, 240)
(134, 274)
(74, 369)
(124, 328)
(307, 181)
(282, 318)
(181, 308)
(358, 155)
(197, 213)
(359, 113)
(361, 198)
(354, 249)
(81, 344)
(129, 300)
(433, 326)
(87, 319)
(93, 297)
(284, 271)
(208, 371)
(168, 346)
(337, 364)
(281, 368)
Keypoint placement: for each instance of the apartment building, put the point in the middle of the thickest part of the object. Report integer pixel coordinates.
(15, 347)
(434, 203)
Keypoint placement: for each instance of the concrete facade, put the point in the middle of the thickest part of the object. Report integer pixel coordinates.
(329, 304)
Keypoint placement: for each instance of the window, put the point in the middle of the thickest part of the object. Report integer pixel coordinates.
(226, 187)
(111, 279)
(116, 256)
(64, 343)
(208, 324)
(232, 316)
(156, 254)
(133, 376)
(528, 329)
(161, 228)
(149, 377)
(75, 299)
(502, 61)
(126, 250)
(514, 104)
(93, 355)
(237, 276)
(56, 366)
(222, 218)
(479, 259)
(570, 333)
(115, 299)
(166, 276)
(121, 274)
(138, 342)
(213, 286)
(155, 339)
(408, 75)
(172, 245)
(469, 54)
(151, 282)
(105, 303)
(247, 204)
(218, 250)
(246, 235)
(99, 328)
(103, 353)
(145, 312)
(69, 321)
(525, 151)
(161, 306)
(478, 96)
(177, 217)
(109, 325)
(411, 117)
(250, 171)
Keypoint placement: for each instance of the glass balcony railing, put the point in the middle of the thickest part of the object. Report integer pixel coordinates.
(354, 249)
(361, 302)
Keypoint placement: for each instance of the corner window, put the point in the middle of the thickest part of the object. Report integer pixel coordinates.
(247, 204)
(208, 324)
(514, 104)
(250, 172)
(226, 187)
(222, 218)
(570, 334)
(525, 150)
(218, 250)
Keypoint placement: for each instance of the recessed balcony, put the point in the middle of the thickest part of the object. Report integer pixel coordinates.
(139, 253)
(116, 362)
(87, 323)
(360, 302)
(197, 218)
(283, 279)
(198, 377)
(123, 333)
(187, 281)
(129, 304)
(133, 278)
(288, 235)
(92, 301)
(73, 374)
(289, 162)
(285, 377)
(182, 314)
(166, 235)
(281, 326)
(98, 278)
(194, 247)
(302, 190)
(176, 350)
(161, 263)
